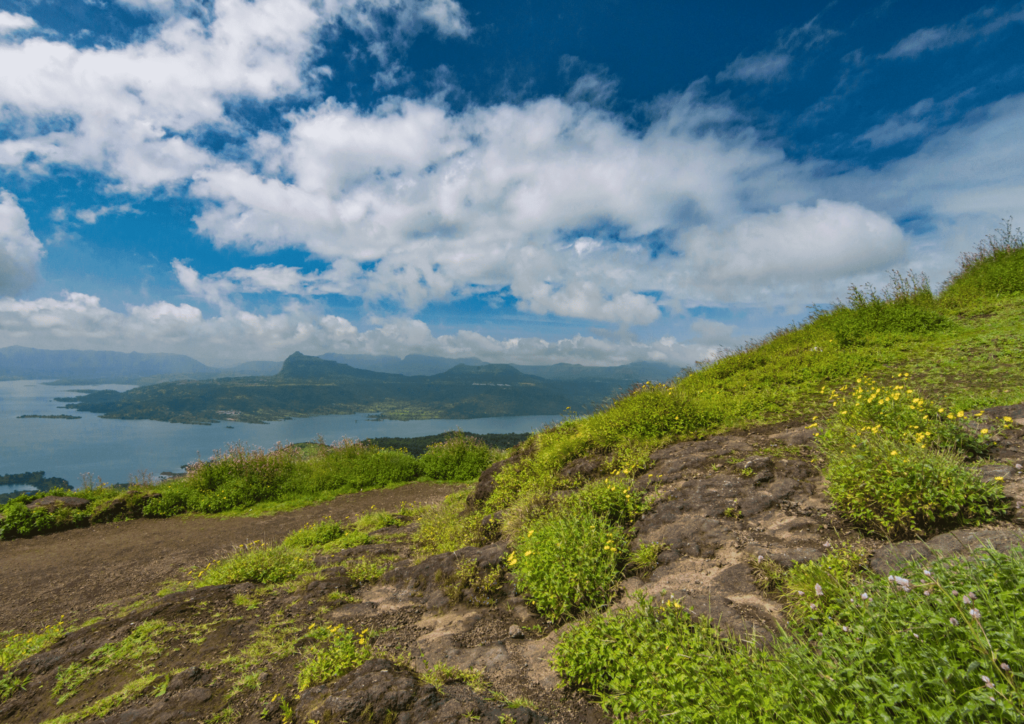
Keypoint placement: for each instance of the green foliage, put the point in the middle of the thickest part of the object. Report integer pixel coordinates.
(368, 569)
(995, 268)
(467, 575)
(141, 644)
(459, 457)
(651, 663)
(418, 445)
(815, 591)
(615, 500)
(906, 306)
(257, 562)
(569, 563)
(895, 467)
(15, 648)
(449, 527)
(314, 535)
(928, 646)
(344, 650)
(375, 520)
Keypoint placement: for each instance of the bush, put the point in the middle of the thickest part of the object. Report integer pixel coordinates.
(894, 464)
(923, 647)
(905, 306)
(616, 502)
(995, 268)
(314, 535)
(448, 527)
(256, 562)
(651, 663)
(569, 563)
(460, 457)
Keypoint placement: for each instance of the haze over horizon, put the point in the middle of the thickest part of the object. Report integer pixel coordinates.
(590, 183)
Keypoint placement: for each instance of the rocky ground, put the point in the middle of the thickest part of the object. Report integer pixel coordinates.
(722, 502)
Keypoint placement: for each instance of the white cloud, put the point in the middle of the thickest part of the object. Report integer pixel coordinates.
(81, 321)
(806, 248)
(901, 126)
(91, 216)
(756, 68)
(131, 112)
(11, 23)
(976, 24)
(20, 250)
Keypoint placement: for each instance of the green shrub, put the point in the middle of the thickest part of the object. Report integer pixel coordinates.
(256, 562)
(894, 466)
(817, 590)
(905, 306)
(375, 520)
(460, 457)
(651, 663)
(383, 467)
(449, 527)
(314, 535)
(344, 650)
(923, 647)
(615, 501)
(995, 268)
(569, 563)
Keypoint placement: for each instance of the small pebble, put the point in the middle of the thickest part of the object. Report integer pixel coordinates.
(514, 632)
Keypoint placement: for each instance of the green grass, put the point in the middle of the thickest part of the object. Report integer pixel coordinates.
(15, 648)
(258, 562)
(343, 650)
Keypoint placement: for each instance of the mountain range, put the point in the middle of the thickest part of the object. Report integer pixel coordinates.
(99, 367)
(308, 386)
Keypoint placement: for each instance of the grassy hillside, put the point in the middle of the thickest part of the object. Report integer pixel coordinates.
(889, 388)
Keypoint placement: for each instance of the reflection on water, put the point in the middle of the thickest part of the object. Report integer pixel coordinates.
(115, 450)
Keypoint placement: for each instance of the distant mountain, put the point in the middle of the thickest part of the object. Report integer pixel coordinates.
(131, 368)
(419, 364)
(411, 365)
(308, 386)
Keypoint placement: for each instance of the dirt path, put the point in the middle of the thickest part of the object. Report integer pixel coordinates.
(72, 572)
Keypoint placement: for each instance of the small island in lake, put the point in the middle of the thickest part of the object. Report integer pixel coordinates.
(50, 417)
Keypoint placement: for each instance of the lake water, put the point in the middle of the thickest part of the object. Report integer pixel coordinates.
(114, 450)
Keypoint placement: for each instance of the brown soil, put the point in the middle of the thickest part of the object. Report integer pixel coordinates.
(73, 572)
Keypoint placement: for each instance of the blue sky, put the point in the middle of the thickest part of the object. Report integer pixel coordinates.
(536, 182)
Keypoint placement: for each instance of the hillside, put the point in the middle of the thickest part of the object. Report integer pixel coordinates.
(308, 386)
(825, 526)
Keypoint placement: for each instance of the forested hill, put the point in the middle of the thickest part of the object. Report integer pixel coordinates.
(308, 386)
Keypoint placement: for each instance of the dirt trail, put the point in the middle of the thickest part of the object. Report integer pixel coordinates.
(72, 572)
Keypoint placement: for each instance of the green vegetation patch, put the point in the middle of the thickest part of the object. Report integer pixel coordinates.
(342, 650)
(258, 562)
(138, 648)
(569, 563)
(938, 645)
(15, 648)
(896, 463)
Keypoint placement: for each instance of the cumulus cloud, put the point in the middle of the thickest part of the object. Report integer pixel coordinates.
(11, 23)
(81, 321)
(91, 216)
(20, 250)
(132, 112)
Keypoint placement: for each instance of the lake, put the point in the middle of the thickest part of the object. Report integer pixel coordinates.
(115, 450)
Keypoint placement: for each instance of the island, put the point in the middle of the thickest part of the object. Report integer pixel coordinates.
(49, 417)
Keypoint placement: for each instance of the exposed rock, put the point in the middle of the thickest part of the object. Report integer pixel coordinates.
(51, 502)
(379, 692)
(960, 542)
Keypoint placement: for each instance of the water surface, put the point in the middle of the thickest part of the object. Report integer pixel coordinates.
(116, 450)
